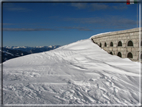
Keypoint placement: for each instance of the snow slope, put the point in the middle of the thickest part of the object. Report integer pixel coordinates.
(78, 73)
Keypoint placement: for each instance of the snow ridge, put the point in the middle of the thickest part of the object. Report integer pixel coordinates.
(77, 73)
(99, 34)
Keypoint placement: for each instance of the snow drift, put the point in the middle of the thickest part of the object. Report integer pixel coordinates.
(78, 73)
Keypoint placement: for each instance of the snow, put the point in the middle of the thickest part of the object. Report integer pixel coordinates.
(50, 46)
(99, 34)
(80, 73)
(7, 52)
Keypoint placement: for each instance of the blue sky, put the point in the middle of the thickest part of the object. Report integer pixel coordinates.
(44, 24)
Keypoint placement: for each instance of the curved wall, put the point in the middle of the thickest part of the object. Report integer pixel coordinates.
(124, 43)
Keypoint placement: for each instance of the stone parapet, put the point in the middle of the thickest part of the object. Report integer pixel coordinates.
(125, 44)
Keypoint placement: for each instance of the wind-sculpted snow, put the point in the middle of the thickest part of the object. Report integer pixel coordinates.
(78, 73)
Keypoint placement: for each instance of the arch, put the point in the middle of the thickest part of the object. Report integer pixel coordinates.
(130, 43)
(93, 40)
(119, 54)
(111, 44)
(111, 53)
(129, 55)
(119, 43)
(100, 45)
(105, 44)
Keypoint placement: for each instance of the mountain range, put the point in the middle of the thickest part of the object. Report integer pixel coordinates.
(10, 52)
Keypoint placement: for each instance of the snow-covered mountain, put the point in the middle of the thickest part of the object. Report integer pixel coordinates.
(10, 52)
(74, 74)
(33, 49)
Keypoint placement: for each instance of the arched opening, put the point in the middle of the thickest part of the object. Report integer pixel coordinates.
(111, 43)
(119, 43)
(130, 43)
(111, 53)
(105, 44)
(129, 55)
(93, 40)
(119, 54)
(100, 45)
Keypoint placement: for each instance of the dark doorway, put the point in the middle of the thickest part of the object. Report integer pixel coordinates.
(100, 45)
(111, 53)
(119, 43)
(129, 55)
(111, 44)
(119, 54)
(105, 44)
(130, 43)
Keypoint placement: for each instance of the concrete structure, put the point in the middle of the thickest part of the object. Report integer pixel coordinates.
(124, 43)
